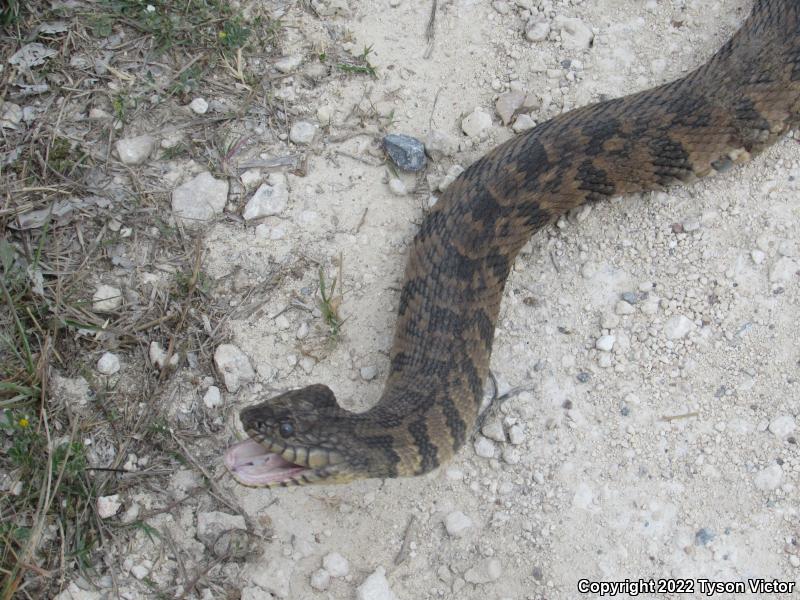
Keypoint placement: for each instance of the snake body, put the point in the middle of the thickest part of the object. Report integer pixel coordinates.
(738, 103)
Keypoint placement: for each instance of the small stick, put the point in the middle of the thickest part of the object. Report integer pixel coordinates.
(403, 553)
(683, 416)
(288, 160)
(358, 158)
(153, 323)
(361, 221)
(555, 264)
(430, 30)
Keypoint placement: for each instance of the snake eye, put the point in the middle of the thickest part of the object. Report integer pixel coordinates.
(286, 429)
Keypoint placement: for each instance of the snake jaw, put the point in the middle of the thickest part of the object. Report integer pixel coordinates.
(259, 462)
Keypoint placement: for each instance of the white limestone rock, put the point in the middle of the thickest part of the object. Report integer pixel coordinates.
(234, 366)
(199, 200)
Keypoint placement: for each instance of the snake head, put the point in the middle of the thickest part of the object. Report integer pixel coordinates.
(297, 438)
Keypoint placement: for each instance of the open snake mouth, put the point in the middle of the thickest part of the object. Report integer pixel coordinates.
(260, 463)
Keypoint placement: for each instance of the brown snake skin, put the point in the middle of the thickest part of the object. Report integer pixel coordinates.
(742, 100)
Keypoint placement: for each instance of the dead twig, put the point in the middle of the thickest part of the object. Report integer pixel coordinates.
(669, 418)
(403, 552)
(290, 160)
(430, 29)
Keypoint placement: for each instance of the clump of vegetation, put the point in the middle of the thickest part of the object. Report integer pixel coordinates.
(329, 304)
(66, 203)
(52, 476)
(50, 489)
(360, 65)
(195, 24)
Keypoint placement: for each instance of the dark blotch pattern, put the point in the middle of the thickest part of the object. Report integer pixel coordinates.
(455, 423)
(598, 133)
(427, 450)
(595, 181)
(384, 445)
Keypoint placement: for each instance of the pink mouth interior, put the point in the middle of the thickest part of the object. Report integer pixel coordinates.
(251, 464)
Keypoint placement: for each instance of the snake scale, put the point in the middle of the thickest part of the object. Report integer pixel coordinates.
(731, 108)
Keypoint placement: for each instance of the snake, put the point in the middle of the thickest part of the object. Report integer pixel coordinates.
(743, 99)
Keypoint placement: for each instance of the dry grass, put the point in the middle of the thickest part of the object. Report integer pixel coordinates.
(72, 217)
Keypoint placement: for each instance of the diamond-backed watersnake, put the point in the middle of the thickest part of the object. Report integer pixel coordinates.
(742, 100)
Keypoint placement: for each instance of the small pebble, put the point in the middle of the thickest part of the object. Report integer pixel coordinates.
(199, 199)
(439, 144)
(575, 34)
(288, 64)
(302, 331)
(212, 398)
(397, 187)
(307, 364)
(234, 366)
(523, 123)
(452, 174)
(703, 536)
(302, 132)
(476, 123)
(454, 473)
(158, 356)
(11, 115)
(142, 570)
(108, 364)
(106, 298)
(537, 30)
(677, 327)
(324, 115)
(758, 256)
(769, 478)
(457, 523)
(135, 150)
(782, 426)
(369, 372)
(375, 587)
(485, 571)
(507, 105)
(320, 580)
(107, 506)
(199, 106)
(336, 564)
(493, 429)
(516, 434)
(624, 308)
(501, 6)
(691, 224)
(484, 447)
(407, 152)
(511, 455)
(95, 114)
(605, 343)
(268, 200)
